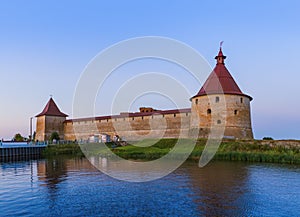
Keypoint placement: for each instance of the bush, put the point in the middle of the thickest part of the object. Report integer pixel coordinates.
(268, 138)
(18, 138)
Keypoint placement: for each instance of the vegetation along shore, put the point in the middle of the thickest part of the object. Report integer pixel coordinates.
(273, 151)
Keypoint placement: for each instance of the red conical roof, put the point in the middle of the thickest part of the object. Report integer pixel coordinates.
(220, 81)
(51, 109)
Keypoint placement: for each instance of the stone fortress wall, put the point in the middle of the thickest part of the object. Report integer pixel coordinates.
(132, 126)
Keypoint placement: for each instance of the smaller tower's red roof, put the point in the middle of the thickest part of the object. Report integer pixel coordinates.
(51, 109)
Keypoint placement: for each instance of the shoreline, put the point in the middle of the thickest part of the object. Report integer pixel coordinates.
(269, 151)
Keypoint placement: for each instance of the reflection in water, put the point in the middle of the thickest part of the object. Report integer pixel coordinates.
(219, 187)
(52, 171)
(73, 187)
(135, 171)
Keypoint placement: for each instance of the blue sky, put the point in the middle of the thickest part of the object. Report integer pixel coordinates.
(45, 45)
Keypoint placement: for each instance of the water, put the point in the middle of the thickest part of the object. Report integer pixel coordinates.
(72, 187)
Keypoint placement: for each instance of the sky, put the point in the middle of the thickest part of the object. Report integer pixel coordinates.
(46, 45)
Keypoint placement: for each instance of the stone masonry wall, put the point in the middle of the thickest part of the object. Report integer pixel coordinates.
(131, 128)
(228, 112)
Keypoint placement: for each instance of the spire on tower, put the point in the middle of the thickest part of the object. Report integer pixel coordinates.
(220, 57)
(221, 43)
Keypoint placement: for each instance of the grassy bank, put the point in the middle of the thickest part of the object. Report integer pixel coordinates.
(258, 152)
(252, 151)
(63, 149)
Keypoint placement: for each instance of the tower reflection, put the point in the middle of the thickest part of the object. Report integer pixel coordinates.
(219, 188)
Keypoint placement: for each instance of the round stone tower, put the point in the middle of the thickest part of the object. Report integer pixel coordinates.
(50, 120)
(221, 104)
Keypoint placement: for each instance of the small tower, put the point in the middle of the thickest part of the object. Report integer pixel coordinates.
(221, 103)
(50, 120)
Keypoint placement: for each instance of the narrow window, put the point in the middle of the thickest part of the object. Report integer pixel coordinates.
(186, 114)
(163, 116)
(142, 117)
(133, 118)
(174, 115)
(208, 111)
(115, 119)
(196, 101)
(219, 121)
(241, 100)
(217, 99)
(235, 112)
(106, 120)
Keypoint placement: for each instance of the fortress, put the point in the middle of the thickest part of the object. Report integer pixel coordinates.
(219, 104)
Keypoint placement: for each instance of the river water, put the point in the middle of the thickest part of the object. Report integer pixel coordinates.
(73, 187)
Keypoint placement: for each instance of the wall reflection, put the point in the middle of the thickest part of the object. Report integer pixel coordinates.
(73, 187)
(52, 171)
(218, 189)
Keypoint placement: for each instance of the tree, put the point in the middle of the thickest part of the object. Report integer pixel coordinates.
(55, 136)
(18, 138)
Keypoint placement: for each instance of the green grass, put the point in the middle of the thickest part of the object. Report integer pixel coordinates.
(252, 151)
(257, 152)
(62, 149)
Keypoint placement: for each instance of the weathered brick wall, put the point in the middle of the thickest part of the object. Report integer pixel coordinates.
(131, 128)
(230, 113)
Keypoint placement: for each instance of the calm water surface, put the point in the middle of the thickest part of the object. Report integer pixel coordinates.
(72, 187)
